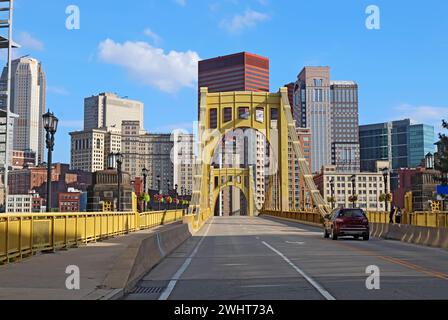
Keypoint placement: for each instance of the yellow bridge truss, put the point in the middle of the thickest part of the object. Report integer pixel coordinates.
(268, 113)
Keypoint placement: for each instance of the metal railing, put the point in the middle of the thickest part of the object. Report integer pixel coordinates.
(23, 235)
(420, 219)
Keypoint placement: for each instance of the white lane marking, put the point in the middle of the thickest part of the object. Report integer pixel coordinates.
(235, 264)
(297, 242)
(165, 295)
(258, 238)
(317, 286)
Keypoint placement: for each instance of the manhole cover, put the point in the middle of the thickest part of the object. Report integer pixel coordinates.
(146, 290)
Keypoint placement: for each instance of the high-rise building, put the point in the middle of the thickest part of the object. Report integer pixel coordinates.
(183, 161)
(345, 126)
(369, 186)
(297, 192)
(109, 110)
(28, 99)
(90, 148)
(421, 142)
(3, 130)
(238, 72)
(401, 143)
(312, 109)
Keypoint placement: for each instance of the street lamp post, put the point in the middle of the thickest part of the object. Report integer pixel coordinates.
(353, 178)
(158, 189)
(119, 159)
(158, 184)
(385, 175)
(332, 193)
(145, 176)
(51, 125)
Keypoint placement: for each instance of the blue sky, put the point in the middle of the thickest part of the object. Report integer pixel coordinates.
(148, 50)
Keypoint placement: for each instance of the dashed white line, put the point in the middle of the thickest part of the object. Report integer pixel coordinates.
(165, 295)
(317, 286)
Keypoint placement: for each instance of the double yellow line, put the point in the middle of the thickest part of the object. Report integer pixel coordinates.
(400, 262)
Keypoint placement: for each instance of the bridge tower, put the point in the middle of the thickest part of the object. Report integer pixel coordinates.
(268, 113)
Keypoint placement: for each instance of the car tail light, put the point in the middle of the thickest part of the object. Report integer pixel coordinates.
(339, 221)
(365, 221)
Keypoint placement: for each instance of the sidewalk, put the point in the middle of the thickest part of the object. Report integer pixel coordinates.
(102, 266)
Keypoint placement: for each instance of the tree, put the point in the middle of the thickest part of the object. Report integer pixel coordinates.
(441, 158)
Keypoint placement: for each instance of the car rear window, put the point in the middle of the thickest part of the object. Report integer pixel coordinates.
(351, 214)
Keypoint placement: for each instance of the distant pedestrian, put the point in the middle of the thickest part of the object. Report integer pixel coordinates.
(398, 216)
(391, 214)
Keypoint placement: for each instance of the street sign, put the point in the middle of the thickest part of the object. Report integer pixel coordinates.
(442, 190)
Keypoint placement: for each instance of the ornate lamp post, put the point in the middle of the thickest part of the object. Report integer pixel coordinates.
(353, 178)
(385, 175)
(332, 193)
(158, 184)
(145, 176)
(119, 159)
(51, 126)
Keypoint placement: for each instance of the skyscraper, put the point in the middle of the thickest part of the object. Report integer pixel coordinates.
(28, 89)
(401, 143)
(236, 72)
(109, 110)
(312, 109)
(345, 126)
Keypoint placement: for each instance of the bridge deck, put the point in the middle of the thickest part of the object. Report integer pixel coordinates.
(43, 277)
(266, 258)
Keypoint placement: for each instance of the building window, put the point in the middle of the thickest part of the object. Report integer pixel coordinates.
(318, 82)
(227, 114)
(213, 119)
(274, 114)
(243, 113)
(259, 114)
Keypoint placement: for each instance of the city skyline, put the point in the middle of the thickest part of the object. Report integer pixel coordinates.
(101, 50)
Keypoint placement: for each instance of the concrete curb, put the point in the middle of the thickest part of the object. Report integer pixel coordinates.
(425, 236)
(142, 255)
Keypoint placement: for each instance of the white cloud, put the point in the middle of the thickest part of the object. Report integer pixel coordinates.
(422, 114)
(28, 42)
(182, 3)
(154, 36)
(151, 66)
(240, 22)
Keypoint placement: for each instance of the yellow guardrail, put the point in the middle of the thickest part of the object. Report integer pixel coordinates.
(23, 235)
(305, 216)
(420, 219)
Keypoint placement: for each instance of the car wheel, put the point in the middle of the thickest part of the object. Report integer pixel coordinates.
(334, 236)
(326, 234)
(366, 238)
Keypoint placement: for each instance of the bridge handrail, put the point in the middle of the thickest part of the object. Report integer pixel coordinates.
(419, 219)
(23, 235)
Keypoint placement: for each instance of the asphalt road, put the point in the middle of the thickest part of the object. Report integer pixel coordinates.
(241, 258)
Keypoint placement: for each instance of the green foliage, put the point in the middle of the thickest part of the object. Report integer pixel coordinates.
(441, 163)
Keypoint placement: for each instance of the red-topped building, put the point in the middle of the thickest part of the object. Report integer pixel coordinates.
(236, 72)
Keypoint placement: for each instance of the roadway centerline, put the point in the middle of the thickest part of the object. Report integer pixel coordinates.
(172, 284)
(310, 280)
(397, 261)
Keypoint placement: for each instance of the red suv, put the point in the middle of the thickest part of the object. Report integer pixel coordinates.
(346, 222)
